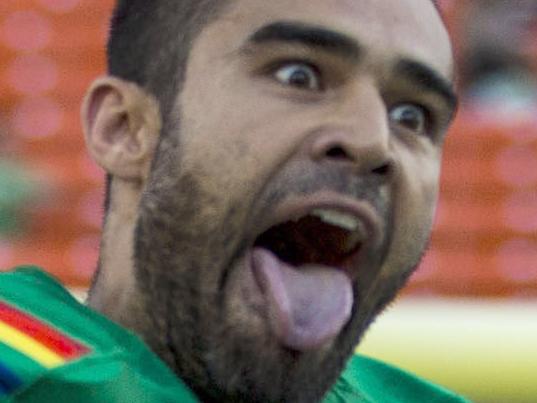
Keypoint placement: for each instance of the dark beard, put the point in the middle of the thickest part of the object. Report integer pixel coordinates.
(190, 331)
(184, 259)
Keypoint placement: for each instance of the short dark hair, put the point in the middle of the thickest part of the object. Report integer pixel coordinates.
(149, 44)
(150, 41)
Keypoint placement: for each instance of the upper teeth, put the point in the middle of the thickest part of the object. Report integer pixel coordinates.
(338, 219)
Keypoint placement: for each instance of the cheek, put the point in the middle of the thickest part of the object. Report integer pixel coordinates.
(237, 134)
(415, 197)
(417, 188)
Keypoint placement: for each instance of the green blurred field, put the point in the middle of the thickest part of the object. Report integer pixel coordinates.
(485, 350)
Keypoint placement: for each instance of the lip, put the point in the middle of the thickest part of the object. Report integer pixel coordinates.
(297, 207)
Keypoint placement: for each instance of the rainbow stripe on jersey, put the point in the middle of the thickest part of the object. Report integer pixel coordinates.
(29, 347)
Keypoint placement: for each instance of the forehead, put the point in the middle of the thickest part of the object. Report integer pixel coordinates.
(385, 28)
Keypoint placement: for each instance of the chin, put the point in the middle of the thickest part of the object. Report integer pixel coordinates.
(245, 361)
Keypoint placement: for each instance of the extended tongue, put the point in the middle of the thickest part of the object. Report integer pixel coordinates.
(307, 305)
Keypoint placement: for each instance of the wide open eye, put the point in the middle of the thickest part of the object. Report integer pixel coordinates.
(410, 116)
(300, 75)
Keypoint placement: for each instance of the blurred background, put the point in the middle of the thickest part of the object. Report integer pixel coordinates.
(468, 318)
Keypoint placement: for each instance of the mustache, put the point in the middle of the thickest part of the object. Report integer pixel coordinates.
(305, 181)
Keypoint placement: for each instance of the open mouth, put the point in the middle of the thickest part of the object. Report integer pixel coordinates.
(305, 267)
(323, 237)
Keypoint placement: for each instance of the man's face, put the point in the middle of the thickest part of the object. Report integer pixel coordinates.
(294, 189)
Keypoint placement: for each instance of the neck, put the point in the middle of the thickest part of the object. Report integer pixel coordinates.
(114, 290)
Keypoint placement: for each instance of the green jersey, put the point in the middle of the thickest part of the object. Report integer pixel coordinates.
(54, 349)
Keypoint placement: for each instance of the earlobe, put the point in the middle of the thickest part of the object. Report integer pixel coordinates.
(121, 127)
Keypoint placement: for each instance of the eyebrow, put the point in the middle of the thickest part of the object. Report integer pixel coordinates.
(311, 36)
(426, 78)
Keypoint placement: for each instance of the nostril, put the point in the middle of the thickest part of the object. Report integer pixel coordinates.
(383, 170)
(337, 153)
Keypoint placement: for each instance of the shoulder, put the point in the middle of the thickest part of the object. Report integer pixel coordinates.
(370, 381)
(52, 347)
(30, 296)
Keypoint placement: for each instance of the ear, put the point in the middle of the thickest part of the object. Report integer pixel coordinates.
(122, 124)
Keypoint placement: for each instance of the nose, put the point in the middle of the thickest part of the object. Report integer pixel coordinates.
(356, 135)
(341, 147)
